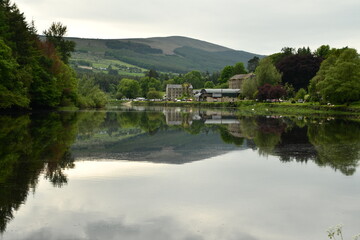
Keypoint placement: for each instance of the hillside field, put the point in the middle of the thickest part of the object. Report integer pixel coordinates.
(166, 54)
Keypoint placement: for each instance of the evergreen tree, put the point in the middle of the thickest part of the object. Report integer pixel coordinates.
(12, 91)
(33, 73)
(252, 64)
(55, 35)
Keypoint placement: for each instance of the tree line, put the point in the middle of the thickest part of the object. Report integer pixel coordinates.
(326, 75)
(35, 73)
(154, 83)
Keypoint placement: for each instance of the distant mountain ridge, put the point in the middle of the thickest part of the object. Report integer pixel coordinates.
(169, 44)
(169, 54)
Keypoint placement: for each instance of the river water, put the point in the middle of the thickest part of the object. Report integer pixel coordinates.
(176, 173)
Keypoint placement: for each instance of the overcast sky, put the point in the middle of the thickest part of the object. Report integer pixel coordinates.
(258, 26)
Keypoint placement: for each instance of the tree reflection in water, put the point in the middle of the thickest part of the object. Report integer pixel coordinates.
(41, 144)
(29, 146)
(337, 143)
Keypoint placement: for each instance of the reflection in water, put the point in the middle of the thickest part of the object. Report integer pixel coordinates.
(337, 144)
(160, 135)
(30, 145)
(46, 144)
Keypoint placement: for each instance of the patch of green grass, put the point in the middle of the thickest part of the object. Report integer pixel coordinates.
(287, 108)
(100, 63)
(355, 104)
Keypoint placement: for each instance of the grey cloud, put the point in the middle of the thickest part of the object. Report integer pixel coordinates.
(259, 26)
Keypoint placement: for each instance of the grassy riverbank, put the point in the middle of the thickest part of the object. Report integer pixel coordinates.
(260, 108)
(296, 108)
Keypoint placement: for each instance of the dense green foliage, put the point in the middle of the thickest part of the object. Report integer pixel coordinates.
(229, 71)
(266, 72)
(209, 84)
(90, 95)
(338, 80)
(34, 73)
(330, 75)
(323, 51)
(195, 79)
(226, 74)
(128, 88)
(153, 94)
(249, 88)
(55, 35)
(300, 94)
(12, 91)
(147, 83)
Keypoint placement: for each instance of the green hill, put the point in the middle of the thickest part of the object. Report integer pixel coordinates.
(167, 54)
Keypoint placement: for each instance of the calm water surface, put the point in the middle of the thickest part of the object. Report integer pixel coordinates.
(155, 173)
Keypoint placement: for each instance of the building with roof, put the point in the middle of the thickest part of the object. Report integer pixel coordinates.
(236, 81)
(174, 91)
(219, 95)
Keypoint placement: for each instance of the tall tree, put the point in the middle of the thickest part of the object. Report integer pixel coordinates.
(146, 83)
(55, 35)
(209, 84)
(12, 91)
(90, 94)
(252, 64)
(323, 51)
(298, 69)
(266, 72)
(152, 73)
(128, 88)
(239, 68)
(304, 51)
(226, 74)
(249, 88)
(195, 78)
(286, 51)
(341, 80)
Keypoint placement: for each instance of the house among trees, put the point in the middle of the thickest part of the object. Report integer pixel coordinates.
(235, 81)
(178, 90)
(219, 95)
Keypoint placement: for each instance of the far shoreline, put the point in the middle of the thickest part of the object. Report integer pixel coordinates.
(262, 108)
